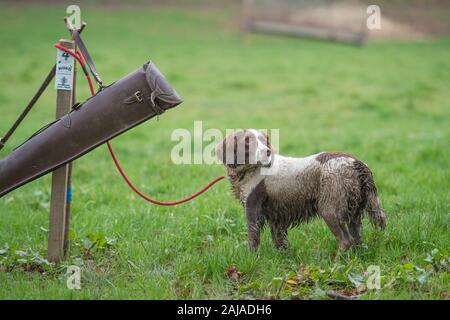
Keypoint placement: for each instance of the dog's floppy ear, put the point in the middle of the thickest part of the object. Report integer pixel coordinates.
(266, 141)
(226, 150)
(221, 151)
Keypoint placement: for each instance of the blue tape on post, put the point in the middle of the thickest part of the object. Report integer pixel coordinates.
(69, 195)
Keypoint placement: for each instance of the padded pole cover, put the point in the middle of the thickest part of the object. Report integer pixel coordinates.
(139, 96)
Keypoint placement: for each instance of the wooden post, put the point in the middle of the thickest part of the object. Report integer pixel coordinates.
(60, 206)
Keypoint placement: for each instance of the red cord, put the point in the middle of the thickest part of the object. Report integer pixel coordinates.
(79, 57)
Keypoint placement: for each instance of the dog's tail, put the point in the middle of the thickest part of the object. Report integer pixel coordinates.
(369, 196)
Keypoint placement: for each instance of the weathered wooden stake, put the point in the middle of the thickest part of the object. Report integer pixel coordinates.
(60, 203)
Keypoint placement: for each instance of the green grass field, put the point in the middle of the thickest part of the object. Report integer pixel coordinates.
(387, 103)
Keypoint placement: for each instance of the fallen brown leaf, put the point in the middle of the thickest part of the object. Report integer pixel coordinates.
(233, 273)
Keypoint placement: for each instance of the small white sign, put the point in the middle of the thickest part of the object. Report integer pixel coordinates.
(64, 71)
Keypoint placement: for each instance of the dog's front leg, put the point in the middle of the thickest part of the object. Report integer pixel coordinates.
(255, 222)
(255, 218)
(279, 236)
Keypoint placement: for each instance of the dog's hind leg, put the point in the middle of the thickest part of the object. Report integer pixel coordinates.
(354, 227)
(339, 229)
(333, 208)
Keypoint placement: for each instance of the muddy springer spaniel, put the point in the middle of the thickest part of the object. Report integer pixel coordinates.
(285, 192)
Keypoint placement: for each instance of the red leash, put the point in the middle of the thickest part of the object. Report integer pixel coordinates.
(79, 57)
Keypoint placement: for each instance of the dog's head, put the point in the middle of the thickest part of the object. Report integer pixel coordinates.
(245, 149)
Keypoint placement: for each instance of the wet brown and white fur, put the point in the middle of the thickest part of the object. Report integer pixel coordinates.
(332, 185)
